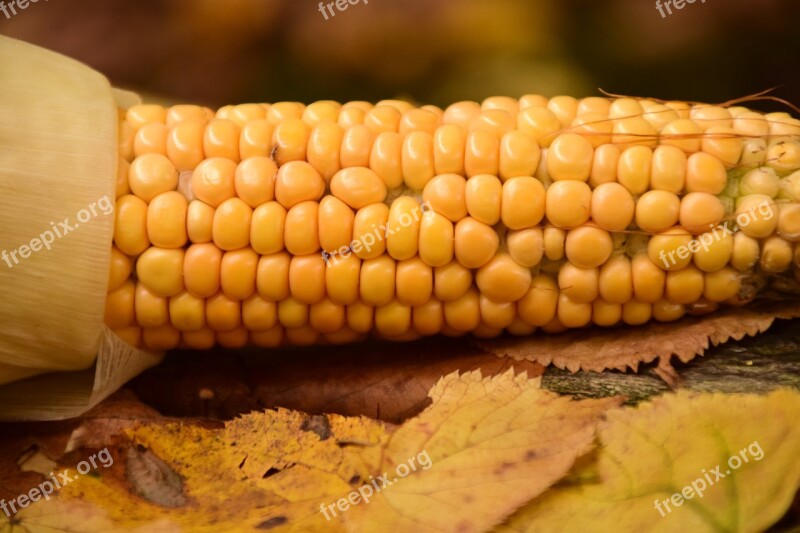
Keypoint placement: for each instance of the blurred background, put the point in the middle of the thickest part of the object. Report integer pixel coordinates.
(217, 52)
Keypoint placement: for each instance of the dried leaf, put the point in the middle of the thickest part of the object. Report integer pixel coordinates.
(491, 444)
(654, 451)
(625, 348)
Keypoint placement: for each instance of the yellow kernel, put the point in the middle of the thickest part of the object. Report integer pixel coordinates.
(385, 157)
(254, 180)
(581, 285)
(369, 228)
(451, 281)
(714, 249)
(166, 220)
(272, 276)
(723, 143)
(668, 169)
(360, 317)
(428, 318)
(684, 286)
(588, 246)
(594, 127)
(657, 210)
(231, 227)
(221, 139)
(161, 338)
(449, 145)
(238, 273)
(461, 113)
(670, 249)
(418, 120)
(150, 175)
(616, 280)
(150, 309)
(119, 309)
(436, 239)
(746, 252)
(161, 270)
(383, 118)
(525, 246)
(179, 114)
(570, 157)
(289, 141)
(604, 165)
(483, 194)
(721, 285)
(296, 182)
(187, 312)
(119, 269)
(199, 221)
(358, 187)
(705, 173)
(647, 278)
(292, 313)
(201, 269)
(519, 155)
(321, 111)
(572, 314)
(307, 278)
(377, 280)
(554, 239)
(568, 203)
(756, 215)
(776, 255)
(540, 123)
(358, 144)
(464, 313)
(130, 225)
(502, 279)
(301, 229)
(335, 221)
(523, 202)
(633, 168)
(612, 206)
(475, 242)
(259, 314)
(414, 282)
(185, 145)
(666, 311)
(255, 139)
(141, 114)
(403, 228)
(342, 278)
(283, 111)
(151, 139)
(324, 148)
(213, 181)
(682, 133)
(481, 154)
(326, 316)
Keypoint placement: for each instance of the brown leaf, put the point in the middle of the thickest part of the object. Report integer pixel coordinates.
(623, 348)
(386, 381)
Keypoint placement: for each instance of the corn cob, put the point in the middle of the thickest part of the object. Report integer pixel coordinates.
(290, 224)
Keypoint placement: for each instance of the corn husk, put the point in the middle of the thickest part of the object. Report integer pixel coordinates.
(58, 156)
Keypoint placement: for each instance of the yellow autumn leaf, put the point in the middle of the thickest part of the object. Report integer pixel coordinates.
(684, 462)
(489, 445)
